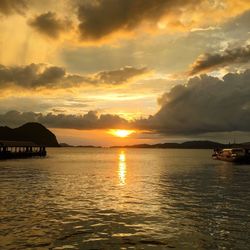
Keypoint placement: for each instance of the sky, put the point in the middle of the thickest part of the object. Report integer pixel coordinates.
(168, 70)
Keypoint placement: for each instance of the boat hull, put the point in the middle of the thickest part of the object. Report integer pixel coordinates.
(237, 155)
(232, 159)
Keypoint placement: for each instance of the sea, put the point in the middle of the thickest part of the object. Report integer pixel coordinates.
(103, 198)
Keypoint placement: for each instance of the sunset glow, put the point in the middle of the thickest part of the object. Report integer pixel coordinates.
(123, 81)
(117, 120)
(121, 132)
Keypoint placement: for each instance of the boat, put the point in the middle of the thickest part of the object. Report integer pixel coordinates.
(238, 155)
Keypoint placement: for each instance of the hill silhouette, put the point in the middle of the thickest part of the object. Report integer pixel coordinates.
(31, 131)
(184, 145)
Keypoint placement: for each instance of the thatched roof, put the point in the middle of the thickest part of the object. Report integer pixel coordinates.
(18, 144)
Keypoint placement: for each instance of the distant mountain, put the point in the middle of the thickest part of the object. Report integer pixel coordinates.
(201, 144)
(31, 131)
(65, 145)
(184, 145)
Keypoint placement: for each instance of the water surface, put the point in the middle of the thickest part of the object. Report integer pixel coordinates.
(124, 199)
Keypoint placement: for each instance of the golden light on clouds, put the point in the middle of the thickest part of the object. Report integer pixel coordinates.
(83, 68)
(121, 132)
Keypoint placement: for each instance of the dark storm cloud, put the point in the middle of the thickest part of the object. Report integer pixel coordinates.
(33, 76)
(8, 7)
(50, 25)
(121, 75)
(206, 104)
(41, 76)
(90, 120)
(227, 57)
(101, 18)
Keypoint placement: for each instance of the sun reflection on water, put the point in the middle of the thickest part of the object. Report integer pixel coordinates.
(122, 168)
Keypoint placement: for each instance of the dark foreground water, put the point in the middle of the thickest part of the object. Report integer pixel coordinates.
(124, 199)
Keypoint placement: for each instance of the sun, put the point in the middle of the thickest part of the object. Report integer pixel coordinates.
(121, 132)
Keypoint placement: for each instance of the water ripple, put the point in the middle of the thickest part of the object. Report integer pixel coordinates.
(144, 199)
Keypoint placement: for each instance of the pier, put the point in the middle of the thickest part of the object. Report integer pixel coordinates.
(20, 149)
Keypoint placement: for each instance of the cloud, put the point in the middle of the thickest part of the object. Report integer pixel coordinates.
(208, 62)
(121, 75)
(101, 18)
(206, 104)
(50, 25)
(238, 27)
(36, 76)
(90, 120)
(8, 7)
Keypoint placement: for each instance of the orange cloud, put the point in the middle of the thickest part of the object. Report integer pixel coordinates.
(50, 25)
(8, 7)
(100, 22)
